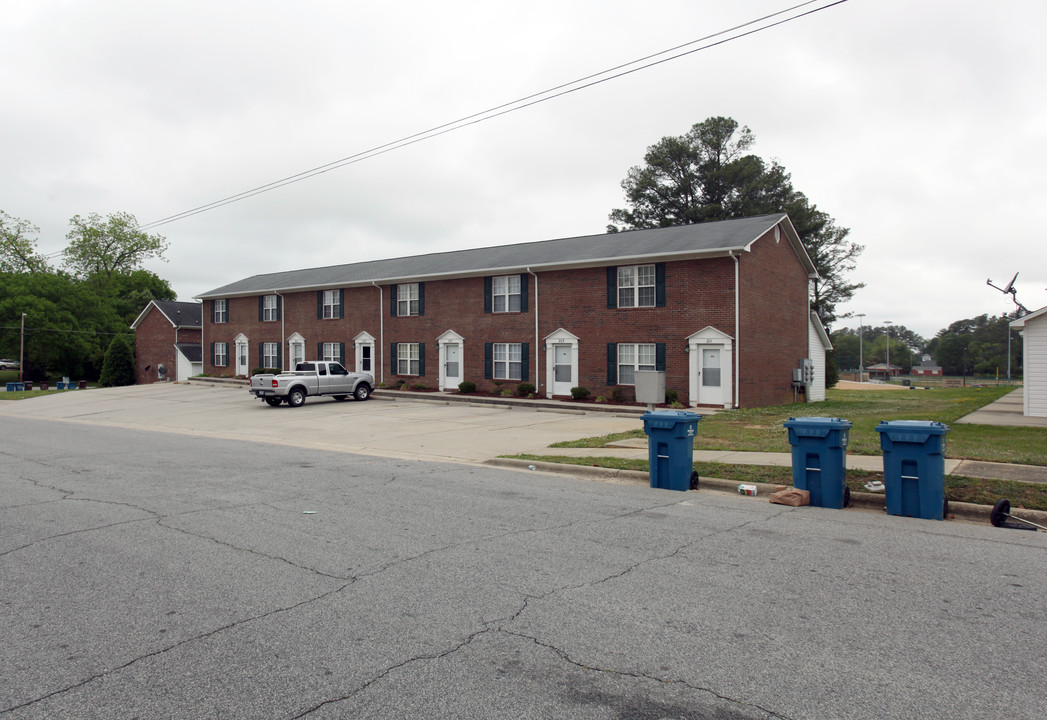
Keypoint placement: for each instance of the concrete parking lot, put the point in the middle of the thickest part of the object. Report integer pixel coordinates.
(183, 571)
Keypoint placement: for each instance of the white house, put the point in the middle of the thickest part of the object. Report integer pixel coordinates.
(1033, 328)
(818, 345)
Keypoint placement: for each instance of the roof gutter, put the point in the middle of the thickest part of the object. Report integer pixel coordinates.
(737, 337)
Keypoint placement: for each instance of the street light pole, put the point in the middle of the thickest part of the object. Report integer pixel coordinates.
(861, 360)
(21, 351)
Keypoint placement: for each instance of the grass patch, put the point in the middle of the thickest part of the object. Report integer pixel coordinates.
(957, 488)
(763, 429)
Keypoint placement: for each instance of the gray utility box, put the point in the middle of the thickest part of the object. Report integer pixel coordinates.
(650, 387)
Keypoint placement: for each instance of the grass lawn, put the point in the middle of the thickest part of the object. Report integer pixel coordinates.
(762, 430)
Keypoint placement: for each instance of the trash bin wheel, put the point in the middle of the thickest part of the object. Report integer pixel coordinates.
(1000, 511)
(694, 479)
(945, 509)
(846, 496)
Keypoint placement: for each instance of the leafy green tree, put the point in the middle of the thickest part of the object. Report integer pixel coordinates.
(18, 251)
(977, 345)
(132, 291)
(707, 174)
(119, 366)
(100, 248)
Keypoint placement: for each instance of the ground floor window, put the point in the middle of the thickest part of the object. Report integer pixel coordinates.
(332, 352)
(408, 358)
(633, 357)
(508, 361)
(221, 354)
(270, 355)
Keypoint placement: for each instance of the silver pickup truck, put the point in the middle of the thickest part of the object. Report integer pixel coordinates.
(311, 378)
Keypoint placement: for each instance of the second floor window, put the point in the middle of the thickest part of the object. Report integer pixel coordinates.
(407, 299)
(636, 286)
(270, 309)
(221, 311)
(505, 293)
(331, 304)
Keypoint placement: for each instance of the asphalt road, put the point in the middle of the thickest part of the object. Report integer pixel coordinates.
(171, 575)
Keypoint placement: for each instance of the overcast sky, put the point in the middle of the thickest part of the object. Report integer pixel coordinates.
(921, 126)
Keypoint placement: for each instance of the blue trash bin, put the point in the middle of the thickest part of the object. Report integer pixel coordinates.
(15, 387)
(914, 467)
(819, 448)
(670, 447)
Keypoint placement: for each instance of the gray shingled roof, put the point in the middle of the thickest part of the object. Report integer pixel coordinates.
(181, 314)
(687, 241)
(193, 352)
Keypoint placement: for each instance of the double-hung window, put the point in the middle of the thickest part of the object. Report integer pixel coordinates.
(633, 357)
(270, 355)
(220, 311)
(270, 310)
(507, 361)
(332, 304)
(332, 352)
(636, 286)
(221, 354)
(505, 293)
(407, 299)
(408, 357)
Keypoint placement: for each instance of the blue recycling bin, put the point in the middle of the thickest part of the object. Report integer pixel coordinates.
(14, 386)
(914, 467)
(819, 448)
(670, 447)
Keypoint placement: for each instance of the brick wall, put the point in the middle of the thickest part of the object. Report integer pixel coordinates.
(154, 345)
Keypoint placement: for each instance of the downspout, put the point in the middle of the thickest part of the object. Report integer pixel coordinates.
(381, 329)
(737, 336)
(535, 327)
(283, 333)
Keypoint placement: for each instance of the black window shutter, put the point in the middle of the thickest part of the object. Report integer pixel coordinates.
(487, 294)
(279, 307)
(488, 360)
(523, 295)
(212, 316)
(612, 363)
(341, 353)
(213, 356)
(392, 301)
(341, 305)
(659, 284)
(392, 354)
(319, 304)
(421, 298)
(612, 287)
(659, 357)
(279, 357)
(261, 307)
(421, 358)
(261, 354)
(525, 352)
(319, 351)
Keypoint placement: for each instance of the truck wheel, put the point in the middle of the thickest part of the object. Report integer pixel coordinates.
(362, 392)
(273, 401)
(296, 398)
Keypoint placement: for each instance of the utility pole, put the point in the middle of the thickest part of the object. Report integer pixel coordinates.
(21, 351)
(861, 359)
(888, 324)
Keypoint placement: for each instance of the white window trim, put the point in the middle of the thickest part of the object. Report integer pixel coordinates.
(508, 362)
(634, 285)
(506, 295)
(224, 353)
(413, 359)
(221, 316)
(331, 305)
(331, 352)
(407, 300)
(636, 365)
(269, 306)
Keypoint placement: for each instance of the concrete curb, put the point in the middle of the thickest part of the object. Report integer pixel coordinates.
(859, 500)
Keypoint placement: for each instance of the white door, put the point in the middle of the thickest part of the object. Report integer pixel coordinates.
(452, 365)
(563, 371)
(241, 358)
(710, 377)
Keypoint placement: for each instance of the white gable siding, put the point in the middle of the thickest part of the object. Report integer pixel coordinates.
(816, 352)
(1035, 364)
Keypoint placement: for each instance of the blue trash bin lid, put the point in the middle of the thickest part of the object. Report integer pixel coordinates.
(816, 426)
(668, 419)
(911, 430)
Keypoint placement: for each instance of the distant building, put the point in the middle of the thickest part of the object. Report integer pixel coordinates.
(1033, 328)
(167, 339)
(883, 371)
(927, 368)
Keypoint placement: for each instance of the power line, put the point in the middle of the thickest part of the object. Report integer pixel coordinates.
(588, 81)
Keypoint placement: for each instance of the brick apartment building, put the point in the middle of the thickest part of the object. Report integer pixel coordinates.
(167, 336)
(722, 308)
